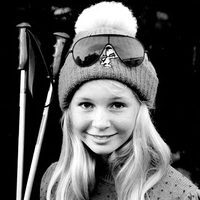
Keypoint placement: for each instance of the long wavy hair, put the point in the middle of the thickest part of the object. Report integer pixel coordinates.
(137, 166)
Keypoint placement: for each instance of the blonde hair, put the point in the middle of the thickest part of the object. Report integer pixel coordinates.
(145, 159)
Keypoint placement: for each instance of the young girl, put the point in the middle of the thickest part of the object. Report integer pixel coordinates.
(111, 149)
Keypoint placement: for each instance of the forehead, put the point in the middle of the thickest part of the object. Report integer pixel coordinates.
(104, 89)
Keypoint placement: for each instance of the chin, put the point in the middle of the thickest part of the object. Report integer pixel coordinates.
(102, 150)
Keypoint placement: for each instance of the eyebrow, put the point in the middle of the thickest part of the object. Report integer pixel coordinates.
(90, 99)
(117, 98)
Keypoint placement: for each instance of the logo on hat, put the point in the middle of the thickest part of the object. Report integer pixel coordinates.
(107, 55)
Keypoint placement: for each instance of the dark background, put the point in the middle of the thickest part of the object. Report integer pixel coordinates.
(169, 31)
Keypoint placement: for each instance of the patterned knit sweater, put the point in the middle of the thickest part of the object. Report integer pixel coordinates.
(173, 186)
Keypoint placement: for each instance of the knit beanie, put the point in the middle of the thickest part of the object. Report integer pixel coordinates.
(107, 18)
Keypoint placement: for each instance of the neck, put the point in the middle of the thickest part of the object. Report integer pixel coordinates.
(103, 168)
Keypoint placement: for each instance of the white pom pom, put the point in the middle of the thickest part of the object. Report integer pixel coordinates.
(107, 14)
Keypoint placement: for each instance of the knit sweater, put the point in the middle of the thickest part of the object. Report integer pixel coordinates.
(173, 186)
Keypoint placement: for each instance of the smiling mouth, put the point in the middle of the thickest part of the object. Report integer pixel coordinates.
(101, 137)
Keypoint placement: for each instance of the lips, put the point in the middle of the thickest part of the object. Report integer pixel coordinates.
(101, 137)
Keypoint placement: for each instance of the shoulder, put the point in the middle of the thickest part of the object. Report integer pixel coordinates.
(174, 185)
(45, 181)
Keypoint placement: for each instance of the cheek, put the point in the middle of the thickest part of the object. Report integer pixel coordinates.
(125, 127)
(126, 123)
(79, 123)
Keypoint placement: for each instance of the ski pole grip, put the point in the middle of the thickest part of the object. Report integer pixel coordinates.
(61, 38)
(23, 51)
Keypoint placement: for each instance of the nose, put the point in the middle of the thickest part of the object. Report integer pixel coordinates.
(101, 120)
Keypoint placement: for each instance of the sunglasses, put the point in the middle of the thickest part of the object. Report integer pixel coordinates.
(88, 50)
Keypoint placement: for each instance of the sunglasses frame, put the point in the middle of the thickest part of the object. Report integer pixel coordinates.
(108, 36)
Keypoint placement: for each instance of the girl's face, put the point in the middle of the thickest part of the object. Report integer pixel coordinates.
(103, 114)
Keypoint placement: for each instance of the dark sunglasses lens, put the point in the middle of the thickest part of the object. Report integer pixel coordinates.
(87, 60)
(130, 50)
(133, 62)
(88, 50)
